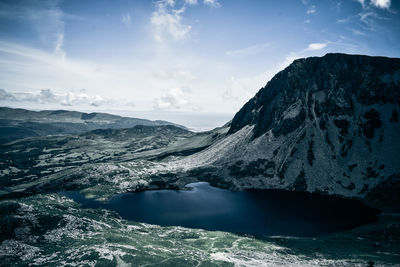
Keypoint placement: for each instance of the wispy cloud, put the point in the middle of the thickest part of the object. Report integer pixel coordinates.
(191, 2)
(316, 46)
(32, 68)
(311, 10)
(251, 50)
(49, 59)
(59, 47)
(356, 32)
(46, 17)
(212, 3)
(126, 19)
(368, 20)
(345, 20)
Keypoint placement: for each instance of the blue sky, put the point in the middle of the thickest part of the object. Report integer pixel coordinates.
(179, 60)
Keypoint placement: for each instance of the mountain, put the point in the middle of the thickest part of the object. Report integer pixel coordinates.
(324, 124)
(21, 123)
(327, 125)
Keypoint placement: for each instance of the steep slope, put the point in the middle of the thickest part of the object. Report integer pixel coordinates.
(324, 124)
(21, 123)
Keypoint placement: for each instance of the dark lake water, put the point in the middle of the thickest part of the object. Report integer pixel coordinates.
(255, 212)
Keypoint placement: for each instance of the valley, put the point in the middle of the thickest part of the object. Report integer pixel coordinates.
(326, 127)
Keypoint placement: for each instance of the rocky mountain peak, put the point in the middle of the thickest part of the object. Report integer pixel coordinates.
(317, 87)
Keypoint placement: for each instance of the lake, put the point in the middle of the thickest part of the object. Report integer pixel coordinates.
(255, 212)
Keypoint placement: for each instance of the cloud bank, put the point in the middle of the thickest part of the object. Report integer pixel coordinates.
(48, 96)
(174, 99)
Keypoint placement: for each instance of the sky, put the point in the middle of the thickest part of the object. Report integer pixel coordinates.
(194, 62)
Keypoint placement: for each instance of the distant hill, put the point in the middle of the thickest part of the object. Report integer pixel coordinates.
(22, 123)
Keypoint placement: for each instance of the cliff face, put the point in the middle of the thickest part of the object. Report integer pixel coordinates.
(327, 124)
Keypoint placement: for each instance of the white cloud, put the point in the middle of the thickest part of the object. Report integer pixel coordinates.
(381, 3)
(311, 10)
(212, 3)
(316, 46)
(167, 22)
(175, 98)
(48, 96)
(251, 50)
(385, 4)
(126, 19)
(73, 99)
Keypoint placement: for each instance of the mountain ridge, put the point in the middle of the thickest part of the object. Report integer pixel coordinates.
(22, 123)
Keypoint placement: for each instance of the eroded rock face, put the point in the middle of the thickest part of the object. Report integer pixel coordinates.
(327, 124)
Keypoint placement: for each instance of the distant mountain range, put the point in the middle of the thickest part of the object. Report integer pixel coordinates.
(21, 123)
